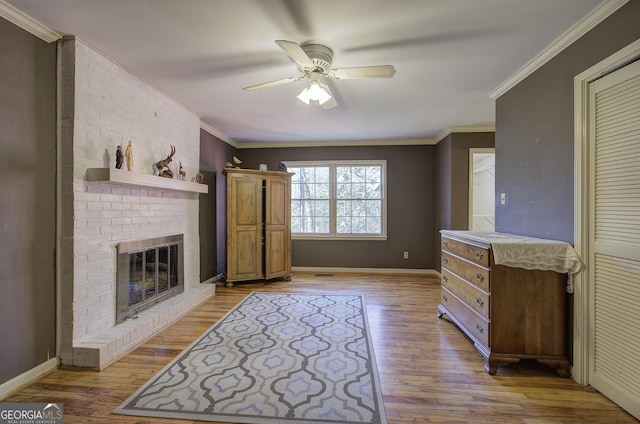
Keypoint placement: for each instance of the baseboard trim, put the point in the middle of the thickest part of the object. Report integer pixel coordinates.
(404, 271)
(25, 378)
(213, 279)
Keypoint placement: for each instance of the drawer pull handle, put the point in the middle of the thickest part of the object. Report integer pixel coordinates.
(479, 328)
(444, 297)
(445, 260)
(445, 278)
(479, 302)
(479, 254)
(479, 277)
(445, 243)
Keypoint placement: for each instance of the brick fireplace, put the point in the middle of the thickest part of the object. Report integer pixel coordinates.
(102, 106)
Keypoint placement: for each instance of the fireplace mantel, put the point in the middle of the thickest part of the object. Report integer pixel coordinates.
(144, 180)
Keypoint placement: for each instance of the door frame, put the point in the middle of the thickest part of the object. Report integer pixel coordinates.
(583, 240)
(474, 151)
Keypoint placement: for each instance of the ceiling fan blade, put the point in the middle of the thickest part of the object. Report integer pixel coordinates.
(382, 71)
(296, 53)
(274, 83)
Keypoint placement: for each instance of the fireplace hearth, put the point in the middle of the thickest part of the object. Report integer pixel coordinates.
(148, 272)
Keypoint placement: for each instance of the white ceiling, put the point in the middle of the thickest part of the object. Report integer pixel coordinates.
(450, 55)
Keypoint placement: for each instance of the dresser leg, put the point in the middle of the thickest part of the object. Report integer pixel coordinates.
(560, 365)
(491, 367)
(492, 363)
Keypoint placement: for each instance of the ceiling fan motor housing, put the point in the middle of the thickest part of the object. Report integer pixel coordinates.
(320, 55)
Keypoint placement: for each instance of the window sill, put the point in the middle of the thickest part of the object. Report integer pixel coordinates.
(337, 237)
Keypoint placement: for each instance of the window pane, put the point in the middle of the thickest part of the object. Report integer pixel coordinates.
(322, 208)
(344, 191)
(322, 225)
(373, 174)
(358, 174)
(373, 191)
(374, 208)
(373, 225)
(296, 226)
(358, 191)
(343, 225)
(322, 174)
(359, 208)
(343, 174)
(343, 208)
(323, 191)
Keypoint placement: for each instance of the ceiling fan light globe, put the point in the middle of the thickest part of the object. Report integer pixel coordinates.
(315, 92)
(304, 96)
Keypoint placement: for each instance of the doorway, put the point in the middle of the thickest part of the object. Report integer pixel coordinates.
(607, 145)
(482, 174)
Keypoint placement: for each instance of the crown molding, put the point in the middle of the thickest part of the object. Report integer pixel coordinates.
(586, 24)
(26, 22)
(346, 143)
(466, 129)
(214, 132)
(341, 143)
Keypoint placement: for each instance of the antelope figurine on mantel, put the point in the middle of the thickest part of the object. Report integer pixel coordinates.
(162, 166)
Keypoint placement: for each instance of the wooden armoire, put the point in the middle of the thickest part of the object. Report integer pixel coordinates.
(258, 225)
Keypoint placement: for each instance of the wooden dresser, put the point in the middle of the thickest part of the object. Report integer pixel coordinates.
(509, 313)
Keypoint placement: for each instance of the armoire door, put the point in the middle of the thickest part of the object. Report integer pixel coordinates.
(244, 228)
(277, 228)
(615, 227)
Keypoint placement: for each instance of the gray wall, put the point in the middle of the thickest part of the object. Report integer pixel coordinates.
(28, 192)
(534, 133)
(213, 219)
(411, 208)
(452, 182)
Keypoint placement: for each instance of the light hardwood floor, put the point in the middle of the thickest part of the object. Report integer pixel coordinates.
(429, 370)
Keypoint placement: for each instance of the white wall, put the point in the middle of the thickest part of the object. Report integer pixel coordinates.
(104, 105)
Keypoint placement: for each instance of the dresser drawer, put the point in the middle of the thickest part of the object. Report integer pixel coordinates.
(471, 323)
(474, 274)
(475, 254)
(474, 298)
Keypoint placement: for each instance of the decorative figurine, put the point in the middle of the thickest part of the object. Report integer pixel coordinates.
(199, 177)
(162, 166)
(183, 175)
(128, 154)
(119, 157)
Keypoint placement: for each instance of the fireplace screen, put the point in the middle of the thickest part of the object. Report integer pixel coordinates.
(149, 271)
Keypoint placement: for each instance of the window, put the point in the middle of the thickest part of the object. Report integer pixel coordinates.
(338, 199)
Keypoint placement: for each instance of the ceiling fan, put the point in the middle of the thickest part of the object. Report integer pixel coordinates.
(314, 61)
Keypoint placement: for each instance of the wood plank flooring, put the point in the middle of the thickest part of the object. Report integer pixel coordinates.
(429, 370)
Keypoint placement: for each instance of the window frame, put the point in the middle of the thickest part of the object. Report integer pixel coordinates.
(333, 164)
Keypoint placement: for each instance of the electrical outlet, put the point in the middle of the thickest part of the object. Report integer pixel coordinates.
(503, 198)
(406, 255)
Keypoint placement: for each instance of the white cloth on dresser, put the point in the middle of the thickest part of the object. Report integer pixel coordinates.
(533, 253)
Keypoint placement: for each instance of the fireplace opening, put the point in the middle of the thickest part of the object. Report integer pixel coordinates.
(149, 271)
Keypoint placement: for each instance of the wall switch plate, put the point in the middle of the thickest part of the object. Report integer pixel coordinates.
(503, 198)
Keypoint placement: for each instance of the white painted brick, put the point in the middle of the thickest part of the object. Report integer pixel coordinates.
(111, 107)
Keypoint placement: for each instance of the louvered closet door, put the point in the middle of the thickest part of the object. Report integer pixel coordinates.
(615, 228)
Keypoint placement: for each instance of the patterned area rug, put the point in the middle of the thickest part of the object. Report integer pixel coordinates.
(274, 358)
